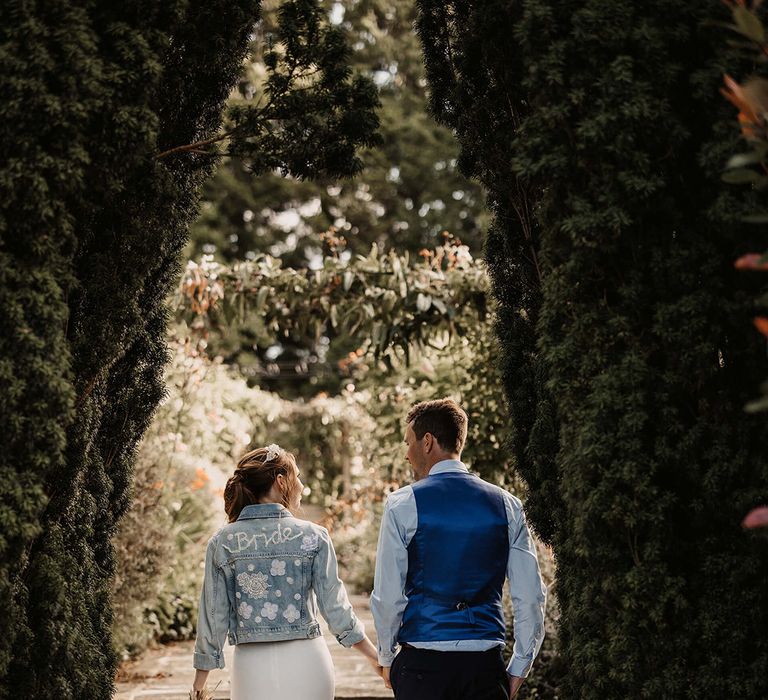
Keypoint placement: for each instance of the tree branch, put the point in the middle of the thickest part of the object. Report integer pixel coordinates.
(194, 146)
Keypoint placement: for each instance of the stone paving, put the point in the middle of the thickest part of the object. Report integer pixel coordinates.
(166, 673)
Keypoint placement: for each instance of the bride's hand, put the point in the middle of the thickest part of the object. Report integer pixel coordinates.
(366, 648)
(375, 665)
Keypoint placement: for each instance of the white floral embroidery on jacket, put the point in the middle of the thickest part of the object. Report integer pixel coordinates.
(278, 568)
(291, 614)
(245, 610)
(255, 585)
(269, 611)
(309, 542)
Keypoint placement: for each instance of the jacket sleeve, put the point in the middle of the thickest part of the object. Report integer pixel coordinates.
(332, 597)
(213, 614)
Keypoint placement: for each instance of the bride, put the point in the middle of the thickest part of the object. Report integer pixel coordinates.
(267, 573)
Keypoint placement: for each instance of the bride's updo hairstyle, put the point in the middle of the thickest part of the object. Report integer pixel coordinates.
(254, 476)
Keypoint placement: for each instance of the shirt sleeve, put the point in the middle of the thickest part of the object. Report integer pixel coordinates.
(332, 599)
(528, 591)
(388, 600)
(213, 614)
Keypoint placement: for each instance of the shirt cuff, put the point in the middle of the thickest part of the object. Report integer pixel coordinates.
(207, 662)
(353, 636)
(519, 666)
(386, 659)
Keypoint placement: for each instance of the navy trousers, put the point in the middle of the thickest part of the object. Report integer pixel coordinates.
(424, 674)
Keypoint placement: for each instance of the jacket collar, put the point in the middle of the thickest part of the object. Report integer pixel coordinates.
(264, 510)
(447, 466)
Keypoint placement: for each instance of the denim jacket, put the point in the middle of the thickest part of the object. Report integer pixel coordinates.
(266, 575)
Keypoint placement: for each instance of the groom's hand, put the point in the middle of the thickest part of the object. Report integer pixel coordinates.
(514, 685)
(385, 676)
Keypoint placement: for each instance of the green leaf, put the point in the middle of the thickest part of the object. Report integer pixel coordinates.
(261, 298)
(229, 309)
(376, 334)
(742, 159)
(741, 176)
(761, 183)
(756, 218)
(439, 304)
(749, 24)
(757, 406)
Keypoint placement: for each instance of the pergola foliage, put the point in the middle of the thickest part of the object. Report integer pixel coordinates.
(387, 302)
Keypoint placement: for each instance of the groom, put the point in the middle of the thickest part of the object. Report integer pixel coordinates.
(446, 544)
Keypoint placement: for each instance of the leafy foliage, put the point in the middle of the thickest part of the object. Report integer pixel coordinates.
(316, 114)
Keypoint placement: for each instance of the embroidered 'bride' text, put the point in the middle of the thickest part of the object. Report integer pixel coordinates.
(244, 541)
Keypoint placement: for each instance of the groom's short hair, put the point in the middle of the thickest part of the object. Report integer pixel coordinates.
(444, 418)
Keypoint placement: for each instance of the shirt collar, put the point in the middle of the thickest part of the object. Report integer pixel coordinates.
(264, 510)
(446, 466)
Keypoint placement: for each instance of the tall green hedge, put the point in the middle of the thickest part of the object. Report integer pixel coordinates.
(92, 223)
(609, 113)
(92, 226)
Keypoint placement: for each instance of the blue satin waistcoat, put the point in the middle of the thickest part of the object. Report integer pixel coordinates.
(457, 561)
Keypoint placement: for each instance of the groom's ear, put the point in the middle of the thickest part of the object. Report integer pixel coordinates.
(429, 440)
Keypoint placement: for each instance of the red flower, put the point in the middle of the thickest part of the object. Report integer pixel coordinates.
(758, 517)
(751, 99)
(751, 261)
(761, 323)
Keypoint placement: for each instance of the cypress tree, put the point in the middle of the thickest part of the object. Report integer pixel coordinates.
(643, 331)
(92, 225)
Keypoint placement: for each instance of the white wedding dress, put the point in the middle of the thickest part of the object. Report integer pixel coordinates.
(299, 669)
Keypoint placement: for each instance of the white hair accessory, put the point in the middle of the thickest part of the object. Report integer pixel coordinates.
(273, 451)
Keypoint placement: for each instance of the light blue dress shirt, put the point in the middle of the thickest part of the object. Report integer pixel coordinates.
(388, 600)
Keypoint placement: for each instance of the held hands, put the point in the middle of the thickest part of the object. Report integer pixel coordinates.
(366, 648)
(374, 662)
(385, 676)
